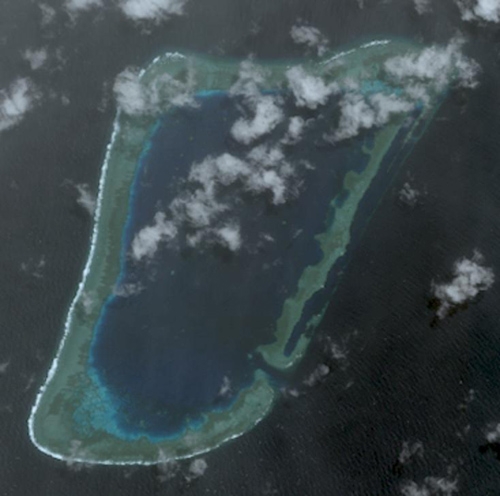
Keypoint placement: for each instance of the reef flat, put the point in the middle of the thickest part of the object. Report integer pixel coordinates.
(90, 408)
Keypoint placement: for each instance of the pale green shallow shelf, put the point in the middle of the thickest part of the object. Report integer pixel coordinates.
(52, 425)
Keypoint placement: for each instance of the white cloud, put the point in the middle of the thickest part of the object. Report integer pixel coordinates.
(358, 112)
(34, 267)
(197, 468)
(201, 211)
(309, 91)
(265, 111)
(493, 434)
(127, 289)
(317, 375)
(422, 6)
(152, 10)
(15, 102)
(480, 10)
(85, 199)
(432, 486)
(48, 14)
(296, 126)
(4, 366)
(88, 301)
(470, 278)
(230, 236)
(225, 388)
(267, 115)
(134, 97)
(408, 194)
(36, 58)
(435, 66)
(309, 36)
(416, 75)
(167, 468)
(146, 241)
(408, 451)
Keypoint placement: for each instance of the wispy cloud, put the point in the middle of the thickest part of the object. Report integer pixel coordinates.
(15, 102)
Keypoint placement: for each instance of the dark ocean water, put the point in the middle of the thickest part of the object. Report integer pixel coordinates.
(403, 380)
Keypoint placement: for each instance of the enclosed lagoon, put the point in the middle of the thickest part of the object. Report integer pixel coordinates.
(217, 247)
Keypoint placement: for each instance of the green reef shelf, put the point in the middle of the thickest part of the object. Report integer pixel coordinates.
(57, 425)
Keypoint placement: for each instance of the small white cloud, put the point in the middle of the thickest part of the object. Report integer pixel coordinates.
(422, 6)
(127, 289)
(408, 451)
(309, 91)
(4, 366)
(432, 486)
(309, 36)
(36, 58)
(409, 195)
(225, 388)
(85, 198)
(146, 241)
(265, 110)
(266, 116)
(88, 301)
(130, 93)
(197, 468)
(135, 97)
(167, 468)
(34, 267)
(296, 126)
(76, 6)
(480, 10)
(470, 279)
(48, 14)
(152, 10)
(230, 236)
(317, 375)
(15, 102)
(493, 433)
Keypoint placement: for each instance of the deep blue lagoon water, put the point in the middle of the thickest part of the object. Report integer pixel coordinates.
(165, 359)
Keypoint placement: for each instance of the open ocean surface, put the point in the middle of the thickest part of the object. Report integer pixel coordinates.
(402, 380)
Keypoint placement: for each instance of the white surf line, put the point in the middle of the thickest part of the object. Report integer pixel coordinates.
(352, 50)
(81, 285)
